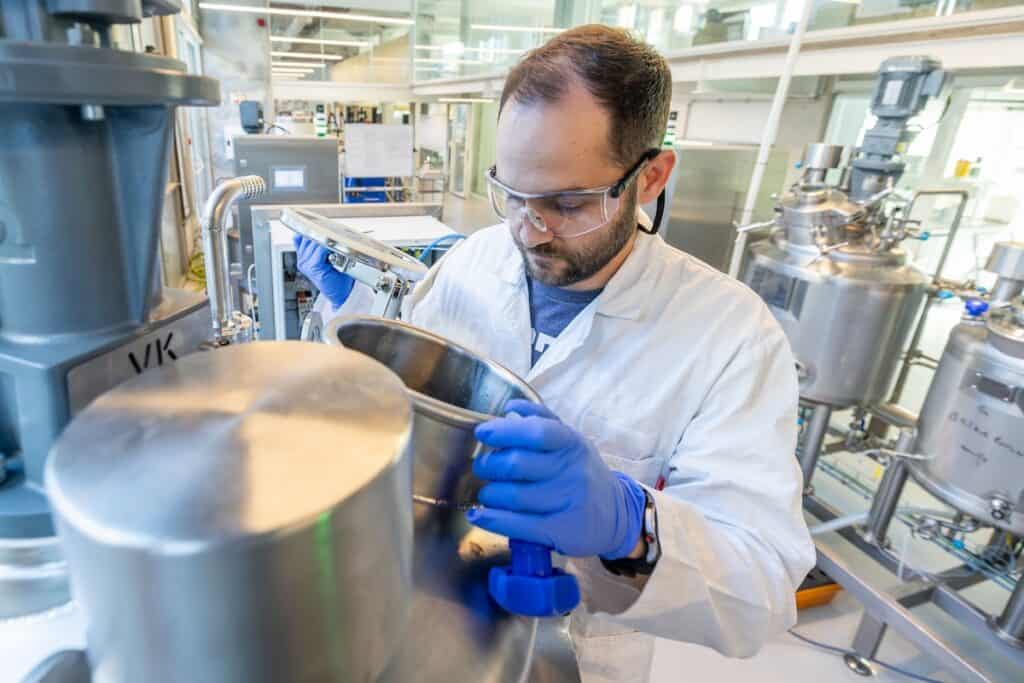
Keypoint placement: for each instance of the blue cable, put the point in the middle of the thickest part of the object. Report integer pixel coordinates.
(454, 237)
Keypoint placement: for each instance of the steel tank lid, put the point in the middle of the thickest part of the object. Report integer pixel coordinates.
(237, 442)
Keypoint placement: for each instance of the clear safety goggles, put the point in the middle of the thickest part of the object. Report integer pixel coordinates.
(568, 213)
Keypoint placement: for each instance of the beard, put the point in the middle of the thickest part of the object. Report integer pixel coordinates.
(560, 266)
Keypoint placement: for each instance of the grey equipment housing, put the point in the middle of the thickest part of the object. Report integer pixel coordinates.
(84, 148)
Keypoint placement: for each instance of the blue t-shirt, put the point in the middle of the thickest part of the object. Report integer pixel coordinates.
(551, 311)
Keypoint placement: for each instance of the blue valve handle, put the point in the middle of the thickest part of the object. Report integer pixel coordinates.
(531, 586)
(975, 307)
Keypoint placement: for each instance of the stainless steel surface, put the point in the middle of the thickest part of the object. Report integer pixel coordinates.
(1010, 624)
(812, 441)
(887, 496)
(66, 666)
(262, 220)
(868, 638)
(241, 516)
(215, 247)
(1007, 260)
(885, 607)
(709, 195)
(914, 347)
(33, 576)
(972, 428)
(340, 238)
(456, 633)
(822, 156)
(177, 328)
(846, 316)
(554, 660)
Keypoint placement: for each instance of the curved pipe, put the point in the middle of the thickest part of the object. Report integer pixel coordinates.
(215, 246)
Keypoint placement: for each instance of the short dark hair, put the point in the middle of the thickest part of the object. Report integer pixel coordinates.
(625, 75)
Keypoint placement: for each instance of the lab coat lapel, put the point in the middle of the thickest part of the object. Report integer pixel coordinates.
(623, 297)
(513, 312)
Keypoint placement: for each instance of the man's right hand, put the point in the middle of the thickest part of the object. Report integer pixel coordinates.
(312, 261)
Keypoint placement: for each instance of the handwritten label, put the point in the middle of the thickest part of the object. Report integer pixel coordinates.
(998, 442)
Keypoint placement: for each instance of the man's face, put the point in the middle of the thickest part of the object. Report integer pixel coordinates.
(563, 145)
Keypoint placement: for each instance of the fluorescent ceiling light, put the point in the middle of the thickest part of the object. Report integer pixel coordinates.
(496, 50)
(317, 14)
(432, 60)
(297, 65)
(307, 55)
(516, 29)
(460, 100)
(285, 67)
(317, 41)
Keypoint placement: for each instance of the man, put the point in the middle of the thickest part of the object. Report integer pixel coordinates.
(668, 475)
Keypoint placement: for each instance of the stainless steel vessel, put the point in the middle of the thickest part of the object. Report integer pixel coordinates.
(834, 277)
(456, 632)
(846, 316)
(972, 423)
(242, 515)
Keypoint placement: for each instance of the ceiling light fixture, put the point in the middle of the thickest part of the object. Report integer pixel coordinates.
(432, 60)
(298, 65)
(306, 55)
(317, 41)
(515, 29)
(316, 14)
(464, 100)
(496, 50)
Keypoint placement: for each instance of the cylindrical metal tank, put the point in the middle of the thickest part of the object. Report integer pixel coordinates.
(241, 515)
(456, 632)
(846, 314)
(972, 423)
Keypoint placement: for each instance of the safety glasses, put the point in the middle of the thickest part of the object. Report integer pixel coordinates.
(566, 214)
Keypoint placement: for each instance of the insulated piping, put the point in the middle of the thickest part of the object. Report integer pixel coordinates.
(215, 247)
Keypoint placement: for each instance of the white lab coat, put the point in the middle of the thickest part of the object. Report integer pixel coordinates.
(674, 371)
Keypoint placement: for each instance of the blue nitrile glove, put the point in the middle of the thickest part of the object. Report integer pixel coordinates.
(311, 259)
(548, 485)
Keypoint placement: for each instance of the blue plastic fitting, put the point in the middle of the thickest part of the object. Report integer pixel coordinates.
(531, 586)
(924, 236)
(945, 294)
(975, 307)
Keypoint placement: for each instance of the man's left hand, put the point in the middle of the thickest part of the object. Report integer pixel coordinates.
(548, 484)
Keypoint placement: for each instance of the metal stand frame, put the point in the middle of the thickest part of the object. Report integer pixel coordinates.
(885, 608)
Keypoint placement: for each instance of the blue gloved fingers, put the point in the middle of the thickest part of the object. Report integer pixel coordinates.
(538, 498)
(633, 501)
(534, 433)
(517, 464)
(524, 408)
(297, 241)
(512, 524)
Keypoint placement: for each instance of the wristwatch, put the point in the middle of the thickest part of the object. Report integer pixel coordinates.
(645, 564)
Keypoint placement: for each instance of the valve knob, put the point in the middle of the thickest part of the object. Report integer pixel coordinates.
(975, 307)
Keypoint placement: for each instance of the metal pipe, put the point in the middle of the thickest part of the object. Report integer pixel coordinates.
(770, 133)
(814, 436)
(215, 248)
(1010, 624)
(1005, 290)
(883, 505)
(915, 341)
